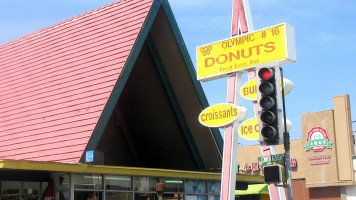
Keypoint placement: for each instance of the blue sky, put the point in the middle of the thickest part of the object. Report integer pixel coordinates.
(324, 31)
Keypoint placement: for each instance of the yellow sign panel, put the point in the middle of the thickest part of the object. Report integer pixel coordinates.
(271, 45)
(249, 89)
(220, 115)
(249, 129)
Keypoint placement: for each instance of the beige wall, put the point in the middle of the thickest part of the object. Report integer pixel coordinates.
(297, 152)
(319, 174)
(250, 154)
(344, 137)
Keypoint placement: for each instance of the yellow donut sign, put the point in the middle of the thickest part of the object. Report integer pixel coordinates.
(270, 45)
(220, 115)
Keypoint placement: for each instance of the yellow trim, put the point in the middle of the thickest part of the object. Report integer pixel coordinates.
(253, 189)
(102, 169)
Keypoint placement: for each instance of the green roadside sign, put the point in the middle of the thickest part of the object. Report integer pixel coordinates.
(272, 159)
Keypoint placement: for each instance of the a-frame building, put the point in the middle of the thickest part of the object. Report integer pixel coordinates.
(117, 81)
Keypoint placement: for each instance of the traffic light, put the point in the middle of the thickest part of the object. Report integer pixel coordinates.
(269, 106)
(274, 174)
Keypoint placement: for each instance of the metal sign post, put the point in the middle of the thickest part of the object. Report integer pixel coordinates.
(241, 12)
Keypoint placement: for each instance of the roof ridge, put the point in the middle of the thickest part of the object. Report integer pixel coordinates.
(64, 22)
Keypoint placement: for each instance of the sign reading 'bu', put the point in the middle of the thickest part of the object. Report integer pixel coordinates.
(249, 89)
(270, 45)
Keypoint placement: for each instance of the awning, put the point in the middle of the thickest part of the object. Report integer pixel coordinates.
(117, 170)
(253, 189)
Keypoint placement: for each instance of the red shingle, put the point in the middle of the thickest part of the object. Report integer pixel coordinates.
(55, 82)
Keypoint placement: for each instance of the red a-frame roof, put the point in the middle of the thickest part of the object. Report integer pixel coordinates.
(55, 82)
(63, 87)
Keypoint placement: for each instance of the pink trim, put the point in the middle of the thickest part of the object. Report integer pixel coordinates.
(231, 89)
(228, 143)
(238, 14)
(226, 165)
(238, 10)
(266, 150)
(251, 75)
(273, 192)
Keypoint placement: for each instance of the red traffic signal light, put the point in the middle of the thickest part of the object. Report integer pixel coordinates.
(269, 102)
(265, 74)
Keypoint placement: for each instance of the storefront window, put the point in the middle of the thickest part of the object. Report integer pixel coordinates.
(196, 190)
(195, 197)
(43, 187)
(122, 183)
(214, 190)
(118, 187)
(145, 184)
(63, 186)
(31, 190)
(10, 190)
(145, 188)
(88, 181)
(118, 195)
(145, 196)
(63, 181)
(195, 187)
(173, 185)
(214, 187)
(173, 196)
(213, 197)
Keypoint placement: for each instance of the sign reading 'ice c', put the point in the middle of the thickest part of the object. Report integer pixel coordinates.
(270, 45)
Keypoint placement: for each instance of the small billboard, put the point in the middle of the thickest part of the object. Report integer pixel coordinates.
(273, 45)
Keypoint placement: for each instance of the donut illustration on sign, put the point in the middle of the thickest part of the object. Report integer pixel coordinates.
(317, 140)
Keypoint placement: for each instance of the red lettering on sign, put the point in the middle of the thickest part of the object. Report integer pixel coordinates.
(249, 90)
(269, 46)
(244, 53)
(257, 128)
(209, 62)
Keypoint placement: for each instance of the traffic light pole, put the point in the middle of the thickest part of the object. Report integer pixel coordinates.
(286, 145)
